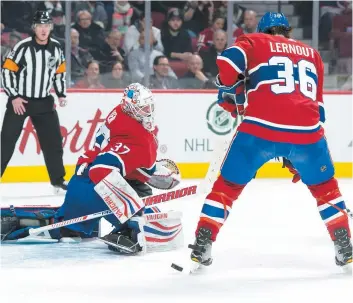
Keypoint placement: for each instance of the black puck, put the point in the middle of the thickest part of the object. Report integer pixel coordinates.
(177, 267)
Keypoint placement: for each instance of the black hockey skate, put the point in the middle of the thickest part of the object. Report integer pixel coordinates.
(343, 248)
(201, 249)
(121, 243)
(60, 187)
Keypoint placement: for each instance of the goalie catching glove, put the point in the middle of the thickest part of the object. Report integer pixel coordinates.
(166, 176)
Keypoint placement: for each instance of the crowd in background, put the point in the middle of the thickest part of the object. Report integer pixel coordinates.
(108, 37)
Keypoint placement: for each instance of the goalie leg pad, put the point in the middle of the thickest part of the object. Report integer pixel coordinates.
(164, 234)
(119, 196)
(15, 222)
(139, 235)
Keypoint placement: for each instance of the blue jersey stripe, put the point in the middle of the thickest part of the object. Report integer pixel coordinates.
(149, 171)
(99, 140)
(270, 72)
(236, 56)
(212, 211)
(322, 114)
(331, 211)
(108, 159)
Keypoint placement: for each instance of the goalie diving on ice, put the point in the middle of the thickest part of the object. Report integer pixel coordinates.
(114, 175)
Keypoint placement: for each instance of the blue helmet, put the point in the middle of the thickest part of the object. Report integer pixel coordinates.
(272, 19)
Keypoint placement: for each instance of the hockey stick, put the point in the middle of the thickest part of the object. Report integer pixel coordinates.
(148, 217)
(151, 200)
(218, 156)
(216, 163)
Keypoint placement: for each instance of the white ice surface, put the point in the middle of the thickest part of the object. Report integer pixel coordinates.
(273, 248)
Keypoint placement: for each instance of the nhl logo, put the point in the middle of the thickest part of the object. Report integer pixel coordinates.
(51, 62)
(220, 121)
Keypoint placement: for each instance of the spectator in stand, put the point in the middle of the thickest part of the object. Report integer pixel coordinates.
(96, 9)
(91, 34)
(137, 57)
(176, 40)
(117, 78)
(341, 40)
(14, 38)
(249, 26)
(238, 12)
(328, 10)
(205, 39)
(91, 78)
(195, 78)
(131, 40)
(121, 18)
(18, 15)
(209, 56)
(79, 58)
(58, 32)
(197, 16)
(50, 6)
(110, 51)
(161, 79)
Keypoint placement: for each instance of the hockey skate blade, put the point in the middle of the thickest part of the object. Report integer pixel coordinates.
(194, 266)
(347, 269)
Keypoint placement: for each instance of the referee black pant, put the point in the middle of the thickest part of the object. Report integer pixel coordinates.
(46, 123)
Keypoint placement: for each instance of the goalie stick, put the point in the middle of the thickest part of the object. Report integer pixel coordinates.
(149, 201)
(149, 218)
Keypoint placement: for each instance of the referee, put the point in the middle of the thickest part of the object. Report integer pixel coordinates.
(31, 69)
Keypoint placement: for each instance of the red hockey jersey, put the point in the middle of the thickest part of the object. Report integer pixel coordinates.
(205, 39)
(284, 87)
(124, 143)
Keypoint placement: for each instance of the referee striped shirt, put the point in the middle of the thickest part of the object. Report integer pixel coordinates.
(31, 70)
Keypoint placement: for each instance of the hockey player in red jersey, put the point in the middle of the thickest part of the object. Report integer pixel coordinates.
(284, 118)
(115, 174)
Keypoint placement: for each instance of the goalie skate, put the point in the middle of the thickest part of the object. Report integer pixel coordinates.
(343, 249)
(201, 250)
(121, 243)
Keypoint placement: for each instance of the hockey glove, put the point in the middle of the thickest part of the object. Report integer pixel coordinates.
(291, 168)
(166, 176)
(228, 104)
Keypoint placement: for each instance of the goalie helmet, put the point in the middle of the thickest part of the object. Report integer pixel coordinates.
(138, 103)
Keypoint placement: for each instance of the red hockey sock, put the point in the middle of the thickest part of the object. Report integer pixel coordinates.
(217, 205)
(331, 206)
